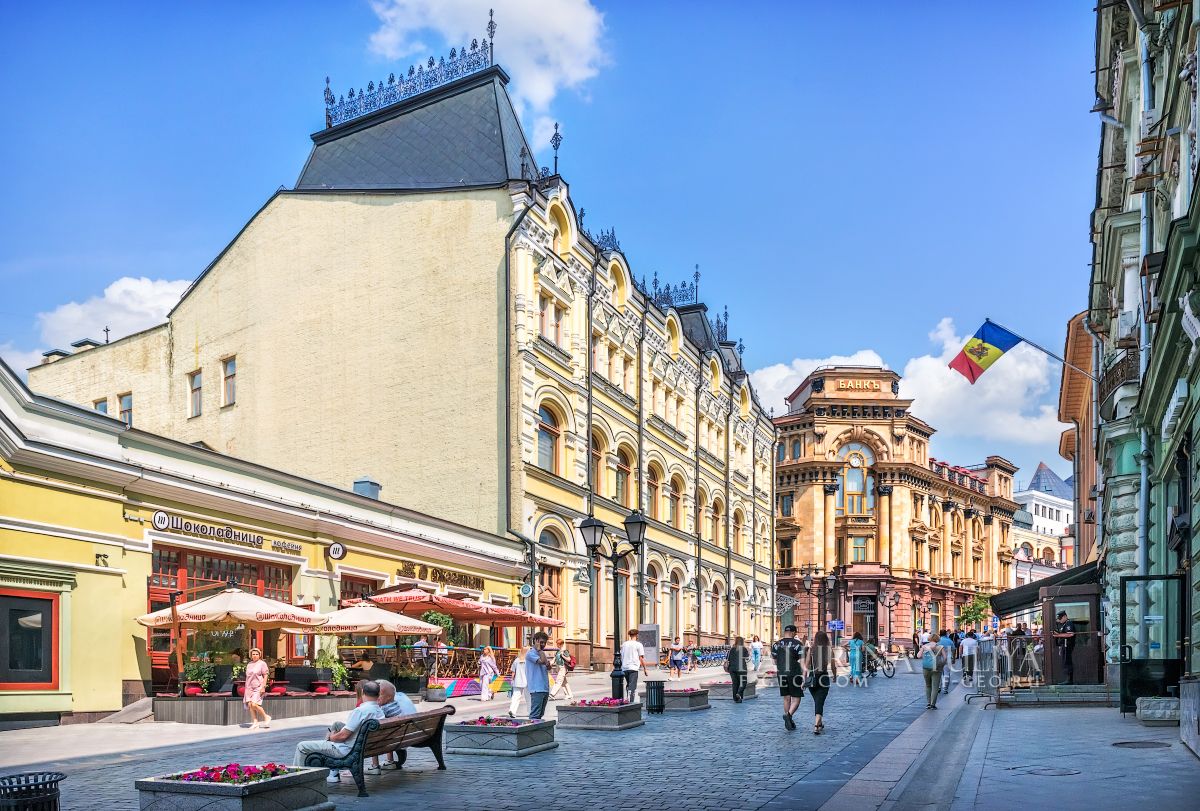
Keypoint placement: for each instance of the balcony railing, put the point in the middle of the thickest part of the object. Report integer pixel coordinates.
(1123, 371)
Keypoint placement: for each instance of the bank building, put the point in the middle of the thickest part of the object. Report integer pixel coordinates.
(874, 534)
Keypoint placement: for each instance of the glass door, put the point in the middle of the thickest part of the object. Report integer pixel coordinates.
(1151, 636)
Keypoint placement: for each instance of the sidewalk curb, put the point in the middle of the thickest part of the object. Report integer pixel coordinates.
(972, 776)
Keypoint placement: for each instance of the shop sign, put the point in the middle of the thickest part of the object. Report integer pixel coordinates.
(337, 551)
(166, 522)
(436, 574)
(859, 385)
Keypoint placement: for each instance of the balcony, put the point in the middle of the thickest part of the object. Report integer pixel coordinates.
(1122, 372)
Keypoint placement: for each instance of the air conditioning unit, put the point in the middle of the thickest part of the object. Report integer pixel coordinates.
(1127, 326)
(1174, 409)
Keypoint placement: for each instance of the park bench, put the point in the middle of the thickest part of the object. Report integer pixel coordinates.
(422, 729)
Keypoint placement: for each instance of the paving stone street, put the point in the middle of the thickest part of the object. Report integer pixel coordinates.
(729, 757)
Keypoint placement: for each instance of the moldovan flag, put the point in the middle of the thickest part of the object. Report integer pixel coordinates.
(989, 343)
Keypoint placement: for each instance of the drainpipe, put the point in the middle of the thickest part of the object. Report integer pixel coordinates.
(643, 600)
(1146, 246)
(593, 596)
(698, 527)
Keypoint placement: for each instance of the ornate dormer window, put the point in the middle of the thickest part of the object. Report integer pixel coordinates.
(856, 490)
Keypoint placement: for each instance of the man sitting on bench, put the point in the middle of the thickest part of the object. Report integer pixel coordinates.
(337, 742)
(393, 705)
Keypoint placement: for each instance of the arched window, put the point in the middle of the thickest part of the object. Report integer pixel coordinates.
(548, 433)
(652, 579)
(675, 503)
(1048, 556)
(714, 372)
(1027, 549)
(737, 532)
(596, 461)
(718, 524)
(654, 490)
(619, 289)
(673, 336)
(856, 491)
(548, 537)
(673, 605)
(624, 468)
(714, 623)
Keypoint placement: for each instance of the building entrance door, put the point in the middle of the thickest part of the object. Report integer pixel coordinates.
(1151, 636)
(865, 617)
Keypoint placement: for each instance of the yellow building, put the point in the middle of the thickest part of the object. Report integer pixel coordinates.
(100, 522)
(426, 308)
(861, 499)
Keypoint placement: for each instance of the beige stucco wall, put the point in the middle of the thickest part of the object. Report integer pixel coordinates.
(368, 335)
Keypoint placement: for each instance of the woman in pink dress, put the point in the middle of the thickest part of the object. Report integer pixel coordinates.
(256, 685)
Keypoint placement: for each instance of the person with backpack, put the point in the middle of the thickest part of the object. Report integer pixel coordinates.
(564, 663)
(933, 661)
(948, 645)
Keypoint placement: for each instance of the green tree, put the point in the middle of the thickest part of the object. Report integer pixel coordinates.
(449, 633)
(977, 612)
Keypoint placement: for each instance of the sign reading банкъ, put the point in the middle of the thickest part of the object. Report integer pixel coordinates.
(859, 385)
(166, 522)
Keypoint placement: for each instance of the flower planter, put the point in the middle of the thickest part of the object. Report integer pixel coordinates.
(769, 679)
(609, 719)
(519, 741)
(686, 700)
(723, 691)
(434, 693)
(300, 790)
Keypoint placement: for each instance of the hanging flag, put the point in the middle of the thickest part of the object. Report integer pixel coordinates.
(989, 343)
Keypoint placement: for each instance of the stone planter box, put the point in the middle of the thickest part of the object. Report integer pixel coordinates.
(769, 679)
(626, 716)
(303, 790)
(680, 701)
(1158, 712)
(723, 691)
(527, 739)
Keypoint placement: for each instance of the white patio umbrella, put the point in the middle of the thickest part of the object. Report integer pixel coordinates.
(232, 606)
(368, 619)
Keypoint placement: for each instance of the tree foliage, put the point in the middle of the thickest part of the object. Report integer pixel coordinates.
(977, 612)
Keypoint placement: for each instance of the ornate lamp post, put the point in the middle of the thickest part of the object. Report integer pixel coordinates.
(889, 601)
(825, 586)
(592, 530)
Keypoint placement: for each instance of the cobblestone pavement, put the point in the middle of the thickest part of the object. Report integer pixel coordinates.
(729, 757)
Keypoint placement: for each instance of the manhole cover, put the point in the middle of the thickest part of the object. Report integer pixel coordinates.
(1050, 771)
(1142, 744)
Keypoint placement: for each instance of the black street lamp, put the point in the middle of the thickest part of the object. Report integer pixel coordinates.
(825, 586)
(592, 530)
(889, 601)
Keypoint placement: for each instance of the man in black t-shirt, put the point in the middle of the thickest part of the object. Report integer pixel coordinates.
(789, 662)
(1064, 638)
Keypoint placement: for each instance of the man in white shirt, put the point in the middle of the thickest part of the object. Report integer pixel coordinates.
(633, 659)
(337, 743)
(967, 648)
(924, 636)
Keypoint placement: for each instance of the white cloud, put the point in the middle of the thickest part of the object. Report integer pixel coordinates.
(127, 305)
(545, 46)
(774, 383)
(1003, 406)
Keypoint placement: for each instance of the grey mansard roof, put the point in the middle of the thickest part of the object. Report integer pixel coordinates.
(461, 134)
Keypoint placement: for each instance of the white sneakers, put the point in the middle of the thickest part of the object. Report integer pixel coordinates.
(334, 776)
(267, 723)
(372, 770)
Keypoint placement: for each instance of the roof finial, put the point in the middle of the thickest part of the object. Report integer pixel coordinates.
(696, 279)
(556, 142)
(491, 29)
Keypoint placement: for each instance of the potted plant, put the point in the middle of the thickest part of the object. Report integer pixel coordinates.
(239, 679)
(409, 679)
(497, 735)
(197, 676)
(609, 714)
(330, 671)
(237, 786)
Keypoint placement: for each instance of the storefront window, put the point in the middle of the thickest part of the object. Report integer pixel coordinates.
(27, 636)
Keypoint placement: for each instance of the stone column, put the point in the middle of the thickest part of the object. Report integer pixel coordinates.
(990, 550)
(830, 514)
(967, 565)
(884, 538)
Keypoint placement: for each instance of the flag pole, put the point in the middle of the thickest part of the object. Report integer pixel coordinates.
(1042, 349)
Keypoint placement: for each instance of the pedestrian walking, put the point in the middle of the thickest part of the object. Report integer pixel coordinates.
(254, 688)
(564, 663)
(488, 671)
(788, 654)
(633, 661)
(537, 676)
(968, 647)
(518, 681)
(947, 642)
(737, 663)
(820, 672)
(756, 649)
(677, 659)
(855, 655)
(933, 662)
(916, 648)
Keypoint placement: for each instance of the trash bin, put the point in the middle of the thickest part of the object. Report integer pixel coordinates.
(656, 699)
(30, 791)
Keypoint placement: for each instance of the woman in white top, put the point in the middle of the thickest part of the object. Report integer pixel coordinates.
(756, 649)
(519, 681)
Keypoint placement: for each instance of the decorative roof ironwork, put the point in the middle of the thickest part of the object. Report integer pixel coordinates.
(354, 104)
(720, 325)
(556, 141)
(671, 295)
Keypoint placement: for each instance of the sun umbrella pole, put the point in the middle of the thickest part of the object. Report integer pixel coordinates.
(179, 640)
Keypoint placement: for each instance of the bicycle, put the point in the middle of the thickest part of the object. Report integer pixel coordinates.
(877, 663)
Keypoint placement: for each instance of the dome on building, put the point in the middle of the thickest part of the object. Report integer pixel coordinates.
(1023, 519)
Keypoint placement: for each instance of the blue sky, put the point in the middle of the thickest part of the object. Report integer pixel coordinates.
(847, 177)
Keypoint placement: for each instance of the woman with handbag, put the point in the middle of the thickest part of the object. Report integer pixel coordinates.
(820, 672)
(488, 671)
(564, 663)
(737, 664)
